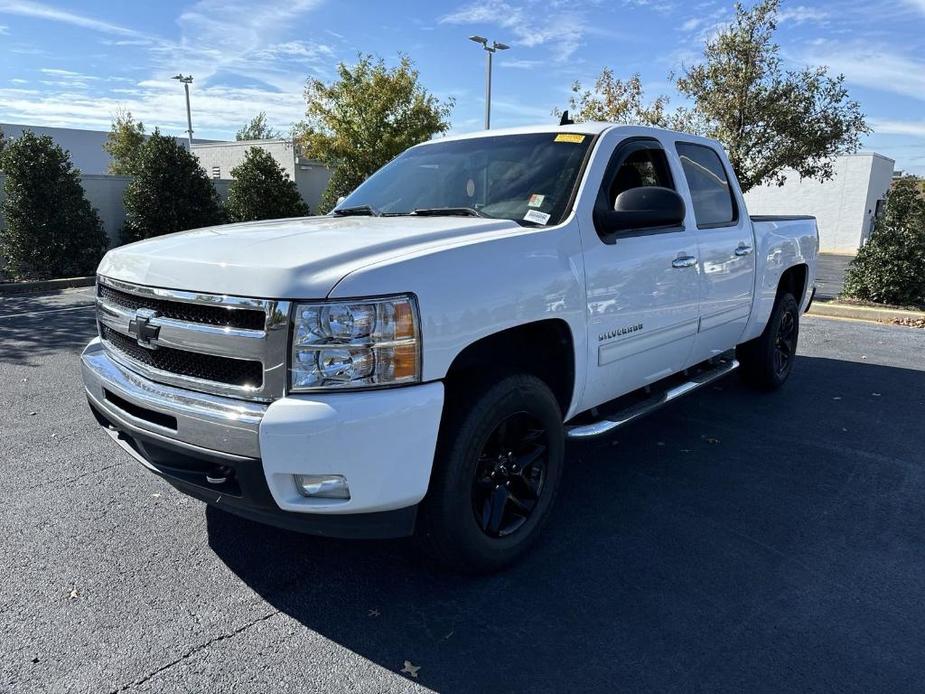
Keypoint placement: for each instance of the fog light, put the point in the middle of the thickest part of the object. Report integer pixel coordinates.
(322, 486)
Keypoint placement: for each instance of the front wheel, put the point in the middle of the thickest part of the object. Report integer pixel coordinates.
(496, 475)
(766, 361)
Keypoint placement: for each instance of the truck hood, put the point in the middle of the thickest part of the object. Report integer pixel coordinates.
(301, 258)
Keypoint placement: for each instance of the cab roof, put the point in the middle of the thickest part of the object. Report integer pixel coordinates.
(588, 128)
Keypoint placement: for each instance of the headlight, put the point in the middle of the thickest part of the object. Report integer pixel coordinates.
(355, 344)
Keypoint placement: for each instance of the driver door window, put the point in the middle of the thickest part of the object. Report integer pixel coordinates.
(644, 167)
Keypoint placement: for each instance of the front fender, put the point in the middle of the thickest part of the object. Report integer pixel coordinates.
(477, 288)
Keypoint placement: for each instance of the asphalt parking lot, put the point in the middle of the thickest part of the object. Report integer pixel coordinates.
(733, 542)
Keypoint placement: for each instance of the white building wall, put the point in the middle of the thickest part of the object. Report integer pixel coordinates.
(84, 146)
(310, 176)
(224, 156)
(843, 206)
(104, 193)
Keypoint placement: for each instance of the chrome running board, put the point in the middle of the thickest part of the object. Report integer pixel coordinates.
(619, 418)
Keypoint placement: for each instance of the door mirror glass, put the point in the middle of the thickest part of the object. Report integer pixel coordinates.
(647, 207)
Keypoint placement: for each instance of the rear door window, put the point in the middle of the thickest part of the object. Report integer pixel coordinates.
(711, 192)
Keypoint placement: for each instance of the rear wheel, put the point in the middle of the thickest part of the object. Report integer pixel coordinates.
(496, 475)
(766, 362)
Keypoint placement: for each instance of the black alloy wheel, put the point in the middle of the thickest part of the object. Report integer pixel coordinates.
(785, 343)
(766, 361)
(510, 475)
(496, 474)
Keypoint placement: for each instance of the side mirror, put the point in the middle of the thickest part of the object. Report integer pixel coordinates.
(340, 200)
(647, 207)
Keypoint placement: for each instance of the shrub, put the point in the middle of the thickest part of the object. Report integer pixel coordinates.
(51, 230)
(126, 137)
(890, 268)
(262, 190)
(170, 192)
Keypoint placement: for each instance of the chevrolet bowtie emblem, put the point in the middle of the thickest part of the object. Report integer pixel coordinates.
(141, 329)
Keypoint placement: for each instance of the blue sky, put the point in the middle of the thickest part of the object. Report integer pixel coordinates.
(74, 64)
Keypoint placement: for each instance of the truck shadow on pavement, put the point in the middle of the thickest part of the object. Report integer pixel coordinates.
(735, 541)
(33, 326)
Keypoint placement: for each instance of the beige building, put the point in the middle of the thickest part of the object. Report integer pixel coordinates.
(310, 176)
(845, 207)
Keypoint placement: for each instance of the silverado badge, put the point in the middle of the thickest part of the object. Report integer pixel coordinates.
(610, 334)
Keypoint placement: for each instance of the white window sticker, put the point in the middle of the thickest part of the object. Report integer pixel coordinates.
(536, 200)
(536, 216)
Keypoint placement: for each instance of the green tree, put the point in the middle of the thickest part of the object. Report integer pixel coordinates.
(369, 115)
(51, 230)
(126, 137)
(258, 129)
(770, 119)
(169, 192)
(890, 267)
(614, 100)
(262, 190)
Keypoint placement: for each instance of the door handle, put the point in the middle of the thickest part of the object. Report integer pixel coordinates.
(743, 249)
(684, 261)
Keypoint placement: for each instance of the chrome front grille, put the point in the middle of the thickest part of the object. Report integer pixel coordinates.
(233, 346)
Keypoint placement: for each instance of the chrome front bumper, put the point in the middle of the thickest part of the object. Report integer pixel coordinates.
(220, 426)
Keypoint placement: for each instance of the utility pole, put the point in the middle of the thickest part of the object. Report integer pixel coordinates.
(490, 49)
(189, 119)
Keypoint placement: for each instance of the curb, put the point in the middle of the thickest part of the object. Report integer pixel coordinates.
(45, 285)
(834, 309)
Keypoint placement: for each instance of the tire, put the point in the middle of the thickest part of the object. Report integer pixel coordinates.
(766, 361)
(460, 524)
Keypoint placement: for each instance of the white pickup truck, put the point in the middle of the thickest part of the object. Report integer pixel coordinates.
(414, 362)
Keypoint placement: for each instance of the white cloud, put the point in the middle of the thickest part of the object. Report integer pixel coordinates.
(887, 126)
(801, 14)
(4, 29)
(242, 38)
(66, 74)
(872, 67)
(691, 24)
(521, 64)
(531, 24)
(26, 8)
(216, 110)
(662, 6)
(295, 50)
(216, 39)
(917, 4)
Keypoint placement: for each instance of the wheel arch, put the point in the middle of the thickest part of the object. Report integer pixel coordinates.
(793, 280)
(544, 348)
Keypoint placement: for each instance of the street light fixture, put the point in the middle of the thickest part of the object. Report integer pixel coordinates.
(490, 48)
(187, 80)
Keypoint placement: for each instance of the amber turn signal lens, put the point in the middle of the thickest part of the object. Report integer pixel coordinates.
(404, 361)
(404, 321)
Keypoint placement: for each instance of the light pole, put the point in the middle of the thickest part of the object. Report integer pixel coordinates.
(189, 119)
(489, 48)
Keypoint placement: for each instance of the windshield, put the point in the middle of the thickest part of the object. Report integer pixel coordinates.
(525, 178)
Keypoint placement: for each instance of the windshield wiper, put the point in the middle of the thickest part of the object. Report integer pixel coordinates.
(357, 210)
(448, 212)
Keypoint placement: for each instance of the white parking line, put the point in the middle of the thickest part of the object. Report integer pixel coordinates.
(31, 314)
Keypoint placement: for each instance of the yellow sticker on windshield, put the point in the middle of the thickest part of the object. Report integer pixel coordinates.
(569, 137)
